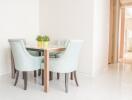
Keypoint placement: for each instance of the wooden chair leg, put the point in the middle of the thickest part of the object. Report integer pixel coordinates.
(58, 76)
(12, 66)
(39, 72)
(35, 73)
(75, 76)
(17, 72)
(22, 75)
(71, 75)
(42, 77)
(25, 80)
(51, 75)
(66, 82)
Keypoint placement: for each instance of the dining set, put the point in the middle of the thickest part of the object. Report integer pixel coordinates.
(57, 58)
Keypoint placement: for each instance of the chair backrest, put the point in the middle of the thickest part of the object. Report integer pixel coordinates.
(68, 62)
(72, 51)
(20, 54)
(63, 43)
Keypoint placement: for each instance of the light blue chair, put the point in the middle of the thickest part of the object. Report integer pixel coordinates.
(63, 43)
(68, 61)
(24, 61)
(57, 54)
(34, 53)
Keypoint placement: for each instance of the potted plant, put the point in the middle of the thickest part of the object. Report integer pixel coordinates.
(39, 40)
(46, 40)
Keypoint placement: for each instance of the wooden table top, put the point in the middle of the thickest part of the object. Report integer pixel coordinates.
(50, 48)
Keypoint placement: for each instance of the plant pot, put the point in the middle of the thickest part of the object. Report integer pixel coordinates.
(40, 44)
(46, 44)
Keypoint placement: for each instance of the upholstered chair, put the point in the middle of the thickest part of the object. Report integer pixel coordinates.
(24, 61)
(68, 61)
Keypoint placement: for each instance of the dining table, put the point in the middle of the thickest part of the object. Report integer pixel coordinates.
(46, 50)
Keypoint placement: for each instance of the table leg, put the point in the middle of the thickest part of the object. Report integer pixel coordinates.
(12, 66)
(46, 71)
(51, 75)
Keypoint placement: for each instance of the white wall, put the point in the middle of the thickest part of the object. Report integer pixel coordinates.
(79, 19)
(18, 19)
(101, 34)
(70, 19)
(65, 19)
